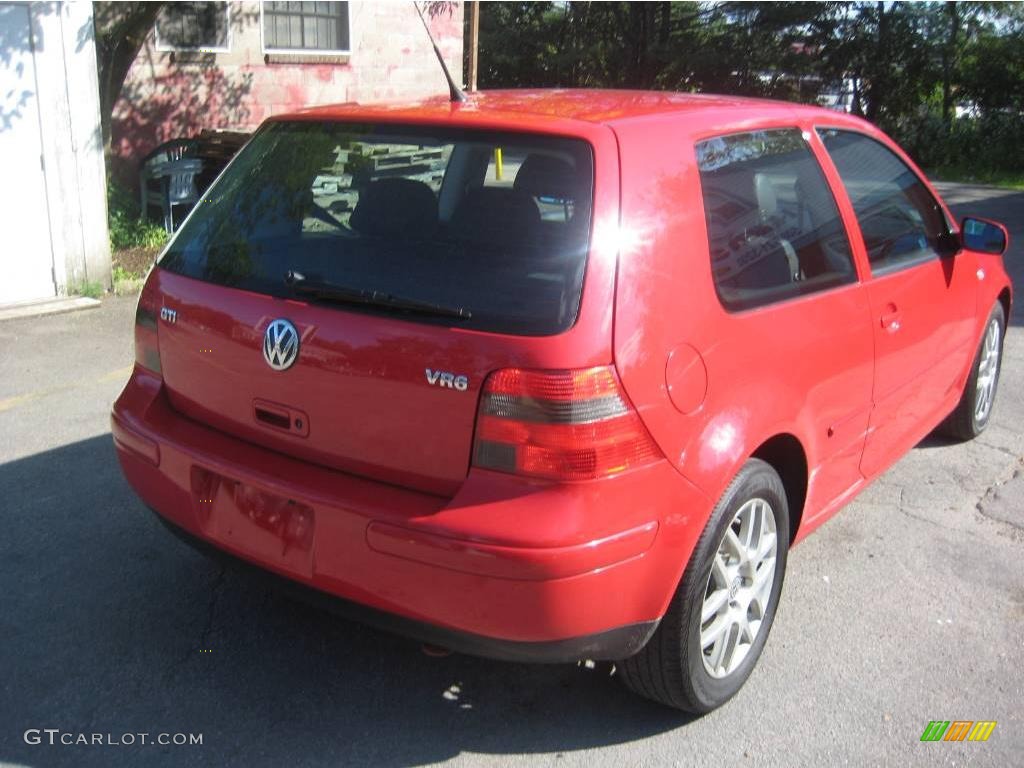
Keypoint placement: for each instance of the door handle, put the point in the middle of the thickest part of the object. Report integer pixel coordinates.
(892, 320)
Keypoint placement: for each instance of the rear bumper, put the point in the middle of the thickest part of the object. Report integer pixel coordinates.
(618, 643)
(507, 568)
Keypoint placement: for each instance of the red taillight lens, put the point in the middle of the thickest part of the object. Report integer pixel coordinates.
(559, 425)
(147, 351)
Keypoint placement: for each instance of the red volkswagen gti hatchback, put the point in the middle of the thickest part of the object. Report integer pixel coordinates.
(555, 375)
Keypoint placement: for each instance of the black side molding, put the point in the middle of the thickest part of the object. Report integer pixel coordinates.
(610, 645)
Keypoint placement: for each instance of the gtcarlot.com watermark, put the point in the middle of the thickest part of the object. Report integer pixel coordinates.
(56, 737)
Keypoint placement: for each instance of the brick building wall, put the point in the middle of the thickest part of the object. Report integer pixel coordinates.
(171, 94)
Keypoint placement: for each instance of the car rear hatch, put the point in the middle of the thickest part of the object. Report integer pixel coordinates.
(409, 262)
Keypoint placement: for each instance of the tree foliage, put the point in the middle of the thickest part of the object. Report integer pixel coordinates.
(904, 65)
(121, 29)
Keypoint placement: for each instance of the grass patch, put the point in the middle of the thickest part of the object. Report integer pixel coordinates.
(1005, 179)
(91, 289)
(134, 242)
(127, 230)
(133, 262)
(131, 268)
(121, 274)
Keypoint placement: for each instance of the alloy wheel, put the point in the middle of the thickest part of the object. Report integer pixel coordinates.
(739, 588)
(988, 372)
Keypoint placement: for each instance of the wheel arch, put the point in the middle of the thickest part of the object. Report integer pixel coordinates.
(1005, 299)
(786, 455)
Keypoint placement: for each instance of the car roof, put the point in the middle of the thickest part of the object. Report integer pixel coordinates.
(594, 106)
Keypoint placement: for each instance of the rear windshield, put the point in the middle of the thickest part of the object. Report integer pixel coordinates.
(495, 225)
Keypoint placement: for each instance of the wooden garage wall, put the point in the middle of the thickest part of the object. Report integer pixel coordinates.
(65, 59)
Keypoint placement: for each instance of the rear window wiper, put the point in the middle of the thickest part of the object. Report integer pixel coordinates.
(318, 289)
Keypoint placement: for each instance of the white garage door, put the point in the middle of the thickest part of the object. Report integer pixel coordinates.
(26, 255)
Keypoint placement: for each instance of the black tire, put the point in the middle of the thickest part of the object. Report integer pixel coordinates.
(963, 423)
(670, 669)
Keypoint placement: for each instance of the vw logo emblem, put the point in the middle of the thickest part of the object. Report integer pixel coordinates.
(280, 344)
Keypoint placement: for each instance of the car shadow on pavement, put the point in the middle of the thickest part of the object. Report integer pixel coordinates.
(108, 624)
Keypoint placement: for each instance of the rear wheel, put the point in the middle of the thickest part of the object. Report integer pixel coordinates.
(716, 626)
(975, 407)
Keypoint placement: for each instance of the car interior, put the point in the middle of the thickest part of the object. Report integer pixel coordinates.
(501, 230)
(774, 229)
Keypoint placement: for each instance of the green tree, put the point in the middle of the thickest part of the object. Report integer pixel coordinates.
(120, 29)
(991, 68)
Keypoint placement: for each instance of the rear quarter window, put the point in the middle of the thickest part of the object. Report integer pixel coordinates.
(408, 212)
(774, 230)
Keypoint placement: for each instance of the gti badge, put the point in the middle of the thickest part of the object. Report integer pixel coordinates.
(445, 379)
(168, 315)
(280, 344)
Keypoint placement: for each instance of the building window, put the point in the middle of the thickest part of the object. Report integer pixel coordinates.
(305, 26)
(193, 27)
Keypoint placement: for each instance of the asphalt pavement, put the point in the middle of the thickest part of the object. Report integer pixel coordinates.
(907, 607)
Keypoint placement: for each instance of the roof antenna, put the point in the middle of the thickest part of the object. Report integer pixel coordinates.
(454, 91)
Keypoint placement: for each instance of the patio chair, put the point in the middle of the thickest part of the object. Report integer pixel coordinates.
(168, 178)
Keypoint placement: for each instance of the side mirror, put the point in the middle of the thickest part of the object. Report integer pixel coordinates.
(984, 236)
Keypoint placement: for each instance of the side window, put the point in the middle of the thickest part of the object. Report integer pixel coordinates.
(773, 226)
(899, 219)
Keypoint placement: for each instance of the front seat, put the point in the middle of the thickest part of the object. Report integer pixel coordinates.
(495, 217)
(768, 206)
(395, 207)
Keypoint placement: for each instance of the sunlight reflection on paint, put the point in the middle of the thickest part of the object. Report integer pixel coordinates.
(612, 239)
(721, 443)
(722, 439)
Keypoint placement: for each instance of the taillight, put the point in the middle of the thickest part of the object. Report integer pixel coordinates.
(559, 425)
(147, 351)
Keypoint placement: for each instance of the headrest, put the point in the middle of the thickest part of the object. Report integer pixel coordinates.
(547, 176)
(767, 198)
(395, 207)
(495, 214)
